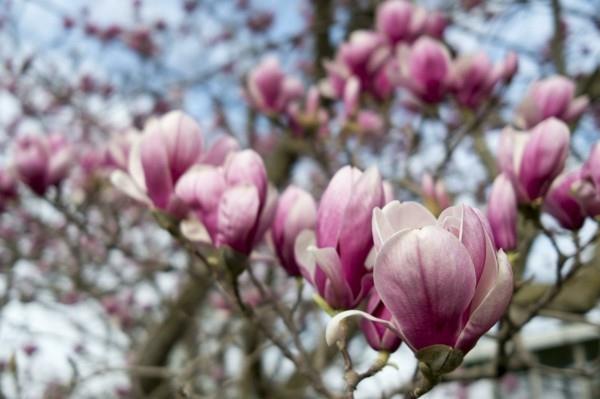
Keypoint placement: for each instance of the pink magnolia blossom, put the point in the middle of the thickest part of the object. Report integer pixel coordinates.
(551, 97)
(364, 57)
(233, 202)
(269, 89)
(453, 305)
(474, 77)
(425, 69)
(531, 160)
(158, 158)
(42, 161)
(563, 201)
(334, 257)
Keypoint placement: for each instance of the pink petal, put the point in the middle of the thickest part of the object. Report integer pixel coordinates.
(337, 293)
(183, 139)
(155, 163)
(304, 257)
(397, 216)
(218, 152)
(426, 279)
(462, 221)
(491, 308)
(247, 167)
(238, 211)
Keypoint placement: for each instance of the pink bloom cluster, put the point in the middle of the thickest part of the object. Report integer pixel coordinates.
(158, 158)
(404, 50)
(532, 164)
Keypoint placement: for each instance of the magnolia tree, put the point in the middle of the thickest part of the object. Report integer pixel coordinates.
(292, 199)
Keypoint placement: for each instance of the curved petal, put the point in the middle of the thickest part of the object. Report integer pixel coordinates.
(465, 224)
(218, 152)
(336, 291)
(247, 167)
(335, 331)
(491, 308)
(125, 183)
(546, 153)
(194, 231)
(332, 208)
(305, 258)
(155, 163)
(201, 189)
(397, 216)
(183, 139)
(417, 273)
(355, 240)
(134, 164)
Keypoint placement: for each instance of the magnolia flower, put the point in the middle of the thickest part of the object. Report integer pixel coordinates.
(269, 90)
(233, 202)
(434, 309)
(333, 259)
(551, 97)
(474, 77)
(42, 161)
(158, 158)
(531, 160)
(425, 69)
(563, 202)
(362, 57)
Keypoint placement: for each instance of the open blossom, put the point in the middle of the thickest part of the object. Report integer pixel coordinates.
(42, 161)
(333, 259)
(425, 69)
(377, 335)
(533, 159)
(269, 89)
(551, 97)
(442, 280)
(502, 213)
(296, 211)
(233, 202)
(474, 77)
(159, 157)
